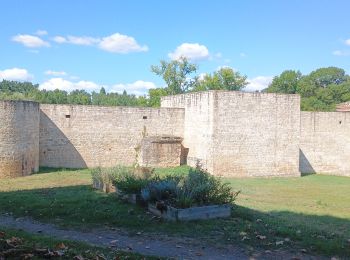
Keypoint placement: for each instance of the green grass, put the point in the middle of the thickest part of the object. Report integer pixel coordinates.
(311, 212)
(29, 244)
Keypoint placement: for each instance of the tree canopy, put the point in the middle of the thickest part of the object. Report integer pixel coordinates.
(320, 90)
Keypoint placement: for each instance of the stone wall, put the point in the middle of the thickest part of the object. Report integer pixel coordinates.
(198, 125)
(241, 134)
(19, 138)
(160, 151)
(325, 143)
(256, 134)
(75, 136)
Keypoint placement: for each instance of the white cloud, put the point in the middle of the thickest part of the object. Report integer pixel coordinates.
(347, 42)
(242, 54)
(258, 83)
(62, 84)
(218, 55)
(16, 74)
(192, 51)
(30, 41)
(83, 40)
(55, 73)
(138, 88)
(77, 40)
(119, 43)
(59, 39)
(341, 53)
(41, 32)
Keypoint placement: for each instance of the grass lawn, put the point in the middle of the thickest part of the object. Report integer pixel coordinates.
(16, 244)
(311, 212)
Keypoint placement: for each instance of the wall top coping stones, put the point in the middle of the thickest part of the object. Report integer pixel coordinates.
(224, 92)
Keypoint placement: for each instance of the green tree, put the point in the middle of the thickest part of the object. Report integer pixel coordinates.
(79, 97)
(223, 79)
(154, 96)
(287, 82)
(176, 75)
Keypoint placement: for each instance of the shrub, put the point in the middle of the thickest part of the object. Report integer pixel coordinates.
(198, 188)
(102, 179)
(131, 181)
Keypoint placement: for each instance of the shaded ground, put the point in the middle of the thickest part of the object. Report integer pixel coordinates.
(169, 247)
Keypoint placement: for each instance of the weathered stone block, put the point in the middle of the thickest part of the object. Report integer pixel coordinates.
(160, 151)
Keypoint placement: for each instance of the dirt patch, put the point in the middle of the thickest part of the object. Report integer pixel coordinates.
(164, 246)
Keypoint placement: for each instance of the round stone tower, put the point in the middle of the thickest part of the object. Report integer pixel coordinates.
(19, 138)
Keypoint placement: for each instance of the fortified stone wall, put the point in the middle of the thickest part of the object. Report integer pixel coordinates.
(241, 134)
(198, 125)
(19, 138)
(75, 136)
(325, 143)
(256, 134)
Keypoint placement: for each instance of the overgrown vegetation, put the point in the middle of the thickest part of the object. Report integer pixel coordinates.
(198, 188)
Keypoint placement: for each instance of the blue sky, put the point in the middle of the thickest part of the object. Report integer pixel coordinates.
(87, 44)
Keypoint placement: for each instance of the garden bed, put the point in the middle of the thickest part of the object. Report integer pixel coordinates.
(193, 213)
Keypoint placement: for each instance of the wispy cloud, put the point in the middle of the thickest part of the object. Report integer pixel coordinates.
(41, 32)
(341, 53)
(30, 41)
(116, 43)
(56, 73)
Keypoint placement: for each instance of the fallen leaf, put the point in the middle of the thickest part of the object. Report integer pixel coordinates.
(259, 220)
(287, 239)
(78, 257)
(261, 237)
(61, 246)
(303, 250)
(199, 254)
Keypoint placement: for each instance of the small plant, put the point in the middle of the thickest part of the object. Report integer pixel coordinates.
(102, 179)
(132, 181)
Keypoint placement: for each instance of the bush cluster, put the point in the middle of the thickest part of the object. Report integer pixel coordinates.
(197, 188)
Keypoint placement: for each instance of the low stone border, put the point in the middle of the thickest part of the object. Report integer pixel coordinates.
(194, 213)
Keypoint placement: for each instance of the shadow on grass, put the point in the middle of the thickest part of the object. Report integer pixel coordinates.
(84, 208)
(52, 170)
